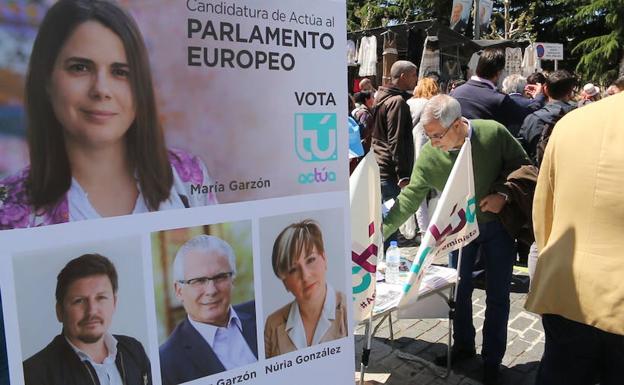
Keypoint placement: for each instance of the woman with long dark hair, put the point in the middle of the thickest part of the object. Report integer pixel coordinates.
(96, 146)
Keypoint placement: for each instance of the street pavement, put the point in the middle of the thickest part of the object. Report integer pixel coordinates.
(408, 359)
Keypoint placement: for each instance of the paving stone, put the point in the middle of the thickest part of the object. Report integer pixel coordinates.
(535, 353)
(435, 334)
(420, 328)
(479, 339)
(469, 381)
(515, 312)
(539, 347)
(390, 363)
(427, 340)
(416, 347)
(402, 325)
(524, 363)
(517, 347)
(522, 323)
(531, 335)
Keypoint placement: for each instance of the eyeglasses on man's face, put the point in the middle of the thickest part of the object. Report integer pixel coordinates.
(218, 280)
(440, 135)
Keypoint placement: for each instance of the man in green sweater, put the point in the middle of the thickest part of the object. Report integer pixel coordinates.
(495, 154)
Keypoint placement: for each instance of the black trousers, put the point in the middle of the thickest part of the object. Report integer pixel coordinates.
(579, 354)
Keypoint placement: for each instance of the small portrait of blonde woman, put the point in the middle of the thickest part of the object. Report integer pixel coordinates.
(318, 311)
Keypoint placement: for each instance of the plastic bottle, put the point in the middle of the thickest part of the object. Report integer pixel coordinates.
(393, 259)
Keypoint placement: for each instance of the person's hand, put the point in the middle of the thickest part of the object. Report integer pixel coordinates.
(533, 90)
(403, 183)
(493, 203)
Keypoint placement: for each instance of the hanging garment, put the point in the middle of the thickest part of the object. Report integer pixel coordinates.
(390, 55)
(430, 61)
(513, 61)
(367, 56)
(530, 62)
(451, 69)
(351, 53)
(472, 65)
(415, 39)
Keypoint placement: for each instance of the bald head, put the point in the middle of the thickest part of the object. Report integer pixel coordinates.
(404, 75)
(366, 85)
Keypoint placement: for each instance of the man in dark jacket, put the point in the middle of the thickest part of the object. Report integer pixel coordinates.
(392, 129)
(514, 86)
(86, 352)
(364, 101)
(479, 97)
(392, 140)
(558, 88)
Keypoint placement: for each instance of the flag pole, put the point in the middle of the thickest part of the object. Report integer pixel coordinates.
(453, 301)
(367, 347)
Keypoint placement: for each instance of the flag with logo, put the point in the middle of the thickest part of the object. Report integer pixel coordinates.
(453, 225)
(366, 237)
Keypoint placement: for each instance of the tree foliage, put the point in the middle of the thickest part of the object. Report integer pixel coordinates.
(592, 31)
(596, 29)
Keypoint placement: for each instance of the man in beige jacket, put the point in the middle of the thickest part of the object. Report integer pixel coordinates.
(578, 217)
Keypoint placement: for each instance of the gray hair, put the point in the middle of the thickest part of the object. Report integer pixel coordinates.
(400, 67)
(443, 108)
(514, 83)
(207, 244)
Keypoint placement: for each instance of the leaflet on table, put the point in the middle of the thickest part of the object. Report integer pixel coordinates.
(436, 277)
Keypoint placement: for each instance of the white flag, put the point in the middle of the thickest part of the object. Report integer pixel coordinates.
(453, 225)
(366, 237)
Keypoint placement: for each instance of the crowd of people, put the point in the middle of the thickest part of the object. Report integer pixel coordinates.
(416, 135)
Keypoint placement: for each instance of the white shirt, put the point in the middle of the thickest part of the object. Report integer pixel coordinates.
(294, 323)
(227, 342)
(482, 80)
(107, 371)
(80, 207)
(367, 56)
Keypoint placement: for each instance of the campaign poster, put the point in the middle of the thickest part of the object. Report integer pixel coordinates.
(230, 102)
(460, 14)
(485, 15)
(151, 153)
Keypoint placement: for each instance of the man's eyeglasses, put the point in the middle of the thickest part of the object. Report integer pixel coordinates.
(198, 282)
(440, 136)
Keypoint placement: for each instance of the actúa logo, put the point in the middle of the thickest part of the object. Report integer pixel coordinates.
(316, 137)
(318, 175)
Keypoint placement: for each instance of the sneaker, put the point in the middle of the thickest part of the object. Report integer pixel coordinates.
(491, 374)
(457, 354)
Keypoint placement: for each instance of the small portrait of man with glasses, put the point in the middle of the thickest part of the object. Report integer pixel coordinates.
(215, 335)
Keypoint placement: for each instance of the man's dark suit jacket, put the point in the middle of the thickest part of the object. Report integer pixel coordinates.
(479, 100)
(186, 356)
(526, 107)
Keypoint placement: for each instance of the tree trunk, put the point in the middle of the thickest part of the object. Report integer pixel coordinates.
(621, 72)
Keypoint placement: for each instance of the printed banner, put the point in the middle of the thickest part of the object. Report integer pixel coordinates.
(460, 14)
(453, 225)
(366, 237)
(485, 15)
(173, 192)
